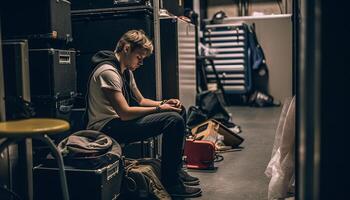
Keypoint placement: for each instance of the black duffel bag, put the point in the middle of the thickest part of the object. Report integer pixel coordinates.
(89, 149)
(209, 103)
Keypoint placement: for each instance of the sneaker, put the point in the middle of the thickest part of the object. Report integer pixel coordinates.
(187, 178)
(181, 190)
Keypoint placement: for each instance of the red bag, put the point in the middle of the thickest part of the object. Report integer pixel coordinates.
(200, 154)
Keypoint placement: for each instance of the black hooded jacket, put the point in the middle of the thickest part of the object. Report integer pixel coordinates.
(105, 57)
(108, 57)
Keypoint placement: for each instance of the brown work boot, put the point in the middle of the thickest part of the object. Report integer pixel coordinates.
(187, 179)
(181, 190)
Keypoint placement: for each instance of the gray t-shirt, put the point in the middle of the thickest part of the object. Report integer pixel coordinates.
(100, 109)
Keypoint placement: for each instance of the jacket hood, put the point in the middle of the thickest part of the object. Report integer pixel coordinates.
(104, 56)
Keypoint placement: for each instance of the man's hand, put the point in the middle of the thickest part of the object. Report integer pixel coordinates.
(174, 102)
(168, 107)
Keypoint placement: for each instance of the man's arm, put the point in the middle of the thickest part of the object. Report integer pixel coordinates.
(126, 112)
(149, 102)
(144, 101)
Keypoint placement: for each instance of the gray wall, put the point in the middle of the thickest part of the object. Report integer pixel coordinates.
(266, 6)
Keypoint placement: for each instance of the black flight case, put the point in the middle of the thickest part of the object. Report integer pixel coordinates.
(53, 81)
(88, 184)
(39, 19)
(93, 4)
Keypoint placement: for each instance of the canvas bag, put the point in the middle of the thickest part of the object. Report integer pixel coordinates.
(210, 129)
(141, 180)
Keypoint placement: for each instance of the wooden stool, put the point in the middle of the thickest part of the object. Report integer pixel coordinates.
(36, 128)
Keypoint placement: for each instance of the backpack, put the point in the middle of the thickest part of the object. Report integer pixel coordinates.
(195, 116)
(210, 104)
(212, 107)
(141, 180)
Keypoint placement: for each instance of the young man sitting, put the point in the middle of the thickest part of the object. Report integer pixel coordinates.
(116, 107)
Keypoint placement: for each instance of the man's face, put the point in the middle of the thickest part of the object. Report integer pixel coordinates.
(135, 58)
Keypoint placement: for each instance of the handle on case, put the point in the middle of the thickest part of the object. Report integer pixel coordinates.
(65, 109)
(64, 58)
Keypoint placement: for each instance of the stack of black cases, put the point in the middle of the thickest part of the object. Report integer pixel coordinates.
(39, 68)
(88, 184)
(14, 81)
(47, 27)
(53, 81)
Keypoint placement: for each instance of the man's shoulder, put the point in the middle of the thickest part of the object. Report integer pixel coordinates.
(106, 65)
(105, 68)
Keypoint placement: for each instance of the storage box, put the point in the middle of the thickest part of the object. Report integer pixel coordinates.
(98, 184)
(53, 107)
(16, 76)
(52, 72)
(93, 4)
(40, 19)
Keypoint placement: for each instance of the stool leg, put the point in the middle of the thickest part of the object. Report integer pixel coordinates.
(25, 190)
(142, 149)
(7, 142)
(60, 163)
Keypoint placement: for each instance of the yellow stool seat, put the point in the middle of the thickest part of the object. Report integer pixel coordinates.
(36, 128)
(30, 127)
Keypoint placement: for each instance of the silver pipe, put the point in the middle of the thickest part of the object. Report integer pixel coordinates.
(157, 50)
(158, 67)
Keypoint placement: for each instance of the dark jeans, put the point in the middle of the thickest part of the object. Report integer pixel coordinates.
(172, 127)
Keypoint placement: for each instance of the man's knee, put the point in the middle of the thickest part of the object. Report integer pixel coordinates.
(183, 109)
(176, 119)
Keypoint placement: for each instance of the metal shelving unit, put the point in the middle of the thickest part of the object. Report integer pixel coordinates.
(231, 57)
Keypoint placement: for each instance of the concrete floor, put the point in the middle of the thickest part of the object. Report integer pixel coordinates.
(240, 176)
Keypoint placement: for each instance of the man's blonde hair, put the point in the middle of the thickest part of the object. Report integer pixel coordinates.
(137, 39)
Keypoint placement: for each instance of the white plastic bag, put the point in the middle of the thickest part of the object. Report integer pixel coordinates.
(281, 166)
